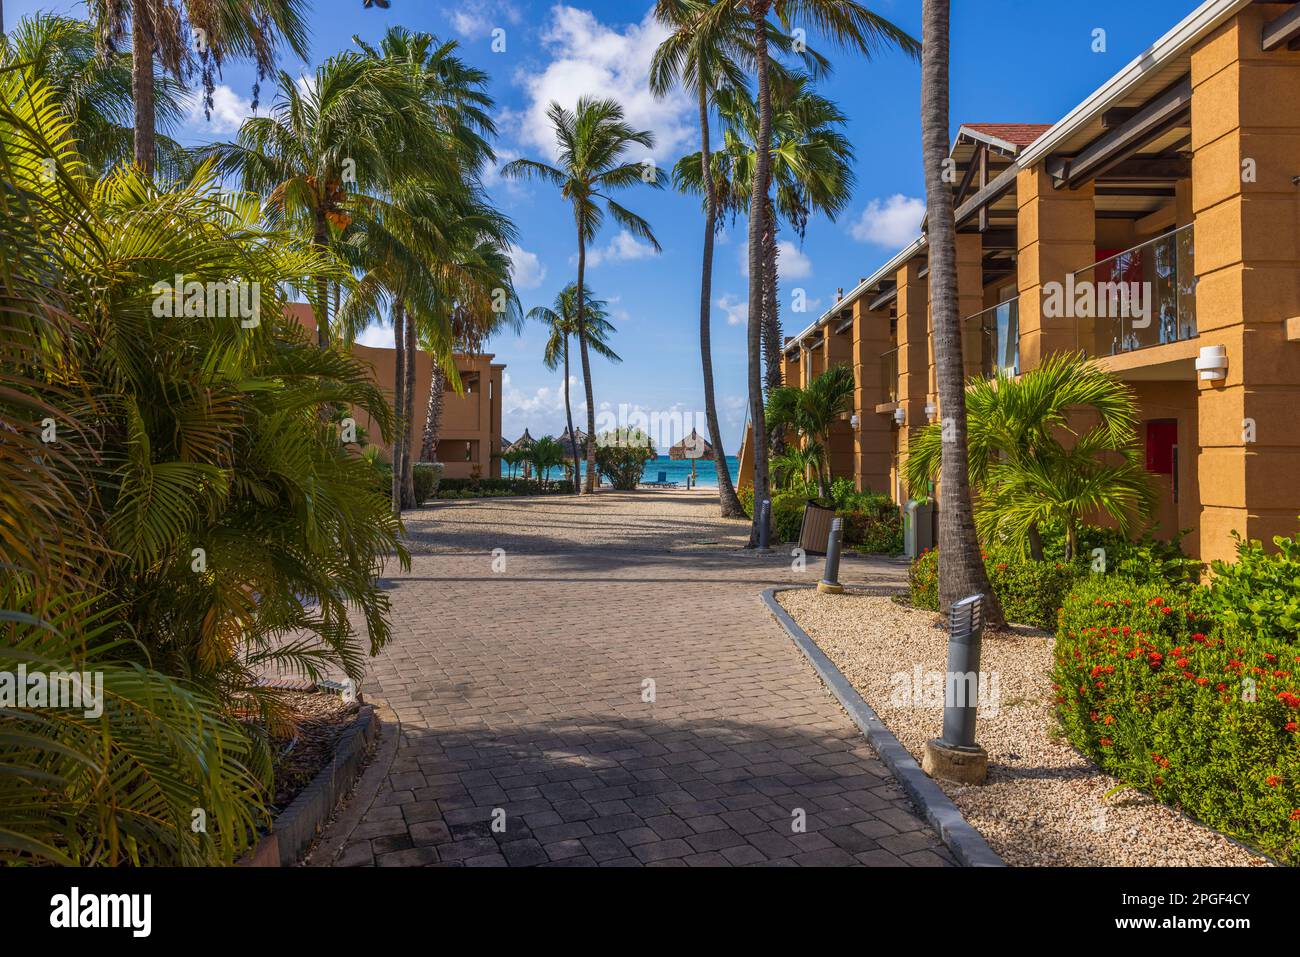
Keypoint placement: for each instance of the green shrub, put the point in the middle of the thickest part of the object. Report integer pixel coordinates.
(872, 522)
(1030, 592)
(1148, 559)
(1199, 714)
(426, 476)
(499, 487)
(1259, 594)
(621, 456)
(874, 531)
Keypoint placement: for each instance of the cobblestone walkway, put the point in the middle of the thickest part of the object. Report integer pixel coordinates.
(613, 693)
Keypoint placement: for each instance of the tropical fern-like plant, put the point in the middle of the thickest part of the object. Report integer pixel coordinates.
(180, 513)
(1031, 464)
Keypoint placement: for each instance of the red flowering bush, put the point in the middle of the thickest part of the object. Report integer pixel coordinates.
(1203, 717)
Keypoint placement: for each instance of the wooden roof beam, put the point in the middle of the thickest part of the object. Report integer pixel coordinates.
(1284, 30)
(1104, 153)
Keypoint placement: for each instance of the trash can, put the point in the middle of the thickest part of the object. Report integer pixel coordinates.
(816, 528)
(918, 528)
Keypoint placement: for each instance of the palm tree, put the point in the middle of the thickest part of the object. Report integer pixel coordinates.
(187, 35)
(592, 141)
(331, 149)
(562, 320)
(961, 565)
(1023, 470)
(790, 468)
(461, 240)
(704, 60)
(812, 171)
(93, 89)
(812, 411)
(545, 454)
(847, 23)
(220, 451)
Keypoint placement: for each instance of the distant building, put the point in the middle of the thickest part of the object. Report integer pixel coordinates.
(469, 443)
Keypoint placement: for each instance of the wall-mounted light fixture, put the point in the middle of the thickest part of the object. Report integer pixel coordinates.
(931, 410)
(1212, 363)
(854, 421)
(900, 415)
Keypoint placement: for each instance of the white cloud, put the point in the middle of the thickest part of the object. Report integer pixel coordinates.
(892, 222)
(229, 110)
(590, 58)
(735, 308)
(377, 336)
(791, 262)
(474, 19)
(542, 410)
(622, 248)
(526, 269)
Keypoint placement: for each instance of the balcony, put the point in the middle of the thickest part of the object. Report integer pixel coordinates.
(889, 376)
(999, 338)
(1142, 297)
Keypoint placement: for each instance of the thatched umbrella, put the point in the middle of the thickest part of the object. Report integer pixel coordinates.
(693, 447)
(521, 444)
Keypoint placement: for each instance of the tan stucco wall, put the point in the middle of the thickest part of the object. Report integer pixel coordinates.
(474, 418)
(1246, 105)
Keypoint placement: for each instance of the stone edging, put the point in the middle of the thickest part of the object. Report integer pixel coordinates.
(294, 828)
(966, 843)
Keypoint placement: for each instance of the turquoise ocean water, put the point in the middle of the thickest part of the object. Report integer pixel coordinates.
(705, 471)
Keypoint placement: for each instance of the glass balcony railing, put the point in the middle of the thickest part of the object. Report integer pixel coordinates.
(889, 375)
(999, 338)
(1142, 297)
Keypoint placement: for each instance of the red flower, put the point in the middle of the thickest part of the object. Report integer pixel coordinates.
(1272, 780)
(1202, 681)
(1295, 814)
(1292, 727)
(1288, 699)
(1106, 742)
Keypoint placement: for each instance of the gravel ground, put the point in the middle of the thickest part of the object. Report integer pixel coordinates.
(1043, 803)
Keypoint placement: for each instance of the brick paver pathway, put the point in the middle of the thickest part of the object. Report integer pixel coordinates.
(522, 698)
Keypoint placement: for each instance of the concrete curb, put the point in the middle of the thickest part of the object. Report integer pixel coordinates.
(336, 835)
(296, 827)
(966, 843)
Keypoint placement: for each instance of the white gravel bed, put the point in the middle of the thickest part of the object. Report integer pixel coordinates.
(1043, 803)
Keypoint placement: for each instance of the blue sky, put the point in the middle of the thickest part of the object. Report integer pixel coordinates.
(1012, 61)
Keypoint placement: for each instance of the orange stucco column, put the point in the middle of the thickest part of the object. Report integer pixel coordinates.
(837, 350)
(1055, 234)
(1246, 149)
(913, 352)
(873, 442)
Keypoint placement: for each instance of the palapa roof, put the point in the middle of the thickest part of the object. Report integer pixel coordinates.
(567, 444)
(524, 441)
(693, 441)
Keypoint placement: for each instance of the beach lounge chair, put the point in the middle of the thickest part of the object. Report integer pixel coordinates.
(660, 482)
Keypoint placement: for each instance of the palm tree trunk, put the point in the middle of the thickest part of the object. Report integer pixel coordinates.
(590, 480)
(727, 500)
(402, 430)
(408, 414)
(757, 227)
(568, 414)
(433, 414)
(772, 323)
(320, 239)
(142, 89)
(961, 566)
(771, 313)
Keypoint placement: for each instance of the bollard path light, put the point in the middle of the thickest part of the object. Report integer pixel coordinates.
(954, 756)
(830, 583)
(765, 517)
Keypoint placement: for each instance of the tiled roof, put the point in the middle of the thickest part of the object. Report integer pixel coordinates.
(1017, 134)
